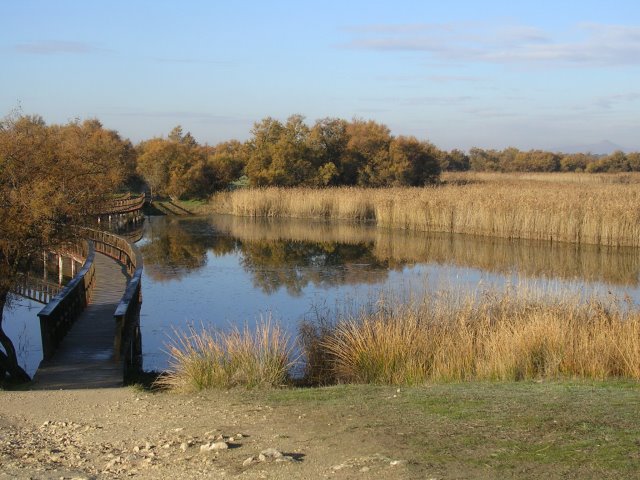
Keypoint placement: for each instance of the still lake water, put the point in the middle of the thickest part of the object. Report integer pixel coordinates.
(224, 270)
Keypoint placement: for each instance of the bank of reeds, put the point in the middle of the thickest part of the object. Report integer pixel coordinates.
(512, 335)
(592, 213)
(206, 358)
(508, 336)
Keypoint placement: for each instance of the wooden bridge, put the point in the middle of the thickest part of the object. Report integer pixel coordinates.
(124, 209)
(90, 330)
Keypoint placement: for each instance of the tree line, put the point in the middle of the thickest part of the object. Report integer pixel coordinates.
(335, 152)
(513, 160)
(331, 152)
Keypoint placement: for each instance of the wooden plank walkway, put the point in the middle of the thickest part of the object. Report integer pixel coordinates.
(85, 358)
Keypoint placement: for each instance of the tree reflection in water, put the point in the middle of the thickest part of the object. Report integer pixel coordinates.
(175, 247)
(292, 254)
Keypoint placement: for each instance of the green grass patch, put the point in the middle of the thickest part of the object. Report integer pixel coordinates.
(517, 430)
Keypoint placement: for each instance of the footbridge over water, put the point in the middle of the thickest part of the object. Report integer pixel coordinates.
(90, 329)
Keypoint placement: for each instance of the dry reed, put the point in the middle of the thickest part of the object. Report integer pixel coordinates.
(512, 335)
(507, 336)
(563, 209)
(206, 358)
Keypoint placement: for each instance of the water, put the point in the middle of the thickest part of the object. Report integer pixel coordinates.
(223, 271)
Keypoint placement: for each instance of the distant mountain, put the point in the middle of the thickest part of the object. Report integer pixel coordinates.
(604, 147)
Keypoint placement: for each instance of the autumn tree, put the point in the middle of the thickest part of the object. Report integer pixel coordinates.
(533, 161)
(455, 161)
(278, 154)
(576, 162)
(411, 163)
(328, 141)
(368, 152)
(484, 160)
(227, 161)
(51, 177)
(176, 166)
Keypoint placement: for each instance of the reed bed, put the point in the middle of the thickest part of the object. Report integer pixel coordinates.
(568, 211)
(205, 358)
(509, 336)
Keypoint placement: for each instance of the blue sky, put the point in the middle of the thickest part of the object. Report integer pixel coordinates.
(459, 73)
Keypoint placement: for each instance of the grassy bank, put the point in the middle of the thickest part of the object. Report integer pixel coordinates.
(487, 430)
(593, 209)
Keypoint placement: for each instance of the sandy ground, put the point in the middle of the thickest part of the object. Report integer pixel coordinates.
(120, 433)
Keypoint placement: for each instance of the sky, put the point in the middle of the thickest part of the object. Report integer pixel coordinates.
(491, 74)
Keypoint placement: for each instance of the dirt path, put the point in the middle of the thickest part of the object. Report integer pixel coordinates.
(117, 433)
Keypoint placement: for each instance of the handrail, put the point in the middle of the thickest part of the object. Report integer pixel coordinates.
(127, 342)
(116, 247)
(130, 203)
(36, 289)
(57, 316)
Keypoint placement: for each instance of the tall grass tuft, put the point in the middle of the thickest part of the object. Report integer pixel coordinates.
(205, 358)
(514, 335)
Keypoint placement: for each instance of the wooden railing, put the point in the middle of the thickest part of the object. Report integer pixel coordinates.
(114, 246)
(37, 289)
(127, 342)
(126, 204)
(57, 317)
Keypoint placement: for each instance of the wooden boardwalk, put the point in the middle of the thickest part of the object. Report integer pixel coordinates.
(86, 357)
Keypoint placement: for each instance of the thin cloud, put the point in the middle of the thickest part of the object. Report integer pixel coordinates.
(55, 47)
(422, 101)
(610, 101)
(400, 28)
(191, 61)
(591, 45)
(430, 78)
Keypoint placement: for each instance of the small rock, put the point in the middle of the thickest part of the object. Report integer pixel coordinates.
(262, 458)
(184, 446)
(239, 435)
(365, 469)
(271, 453)
(207, 447)
(247, 462)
